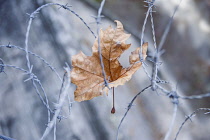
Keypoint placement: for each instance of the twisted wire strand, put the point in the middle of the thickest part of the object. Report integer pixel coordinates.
(33, 54)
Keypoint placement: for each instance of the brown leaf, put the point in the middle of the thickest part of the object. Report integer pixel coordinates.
(87, 71)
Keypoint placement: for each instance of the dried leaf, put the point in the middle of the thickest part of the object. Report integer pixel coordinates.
(87, 71)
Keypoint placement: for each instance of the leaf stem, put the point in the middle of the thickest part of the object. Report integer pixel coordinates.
(113, 108)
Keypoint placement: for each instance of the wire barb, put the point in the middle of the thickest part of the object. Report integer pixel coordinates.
(66, 6)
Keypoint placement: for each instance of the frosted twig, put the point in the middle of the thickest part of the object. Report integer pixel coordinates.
(54, 131)
(26, 42)
(129, 107)
(189, 118)
(5, 138)
(195, 96)
(172, 122)
(163, 38)
(61, 102)
(68, 96)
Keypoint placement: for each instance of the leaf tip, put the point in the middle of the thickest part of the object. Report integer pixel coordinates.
(113, 110)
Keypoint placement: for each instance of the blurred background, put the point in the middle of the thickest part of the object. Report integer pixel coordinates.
(56, 35)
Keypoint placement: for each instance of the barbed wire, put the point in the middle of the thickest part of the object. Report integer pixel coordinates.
(143, 30)
(34, 79)
(152, 22)
(35, 55)
(98, 22)
(66, 7)
(189, 117)
(156, 63)
(32, 16)
(129, 107)
(155, 80)
(29, 72)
